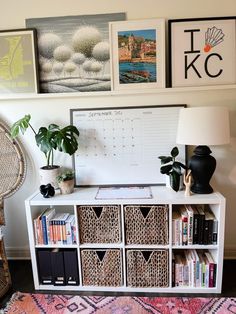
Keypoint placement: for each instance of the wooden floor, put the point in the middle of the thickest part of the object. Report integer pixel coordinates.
(22, 281)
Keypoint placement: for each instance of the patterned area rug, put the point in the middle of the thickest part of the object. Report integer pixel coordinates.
(64, 304)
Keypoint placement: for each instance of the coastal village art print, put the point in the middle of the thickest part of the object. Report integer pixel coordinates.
(138, 54)
(74, 52)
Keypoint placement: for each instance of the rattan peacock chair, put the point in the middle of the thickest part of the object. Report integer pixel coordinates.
(12, 174)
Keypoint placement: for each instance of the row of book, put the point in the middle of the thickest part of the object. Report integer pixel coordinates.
(54, 228)
(58, 267)
(194, 224)
(193, 268)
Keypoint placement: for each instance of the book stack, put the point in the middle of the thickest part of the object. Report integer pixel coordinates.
(54, 228)
(193, 268)
(194, 224)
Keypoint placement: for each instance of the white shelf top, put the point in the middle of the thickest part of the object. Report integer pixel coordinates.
(166, 90)
(161, 195)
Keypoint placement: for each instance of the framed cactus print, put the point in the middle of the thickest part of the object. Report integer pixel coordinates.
(202, 51)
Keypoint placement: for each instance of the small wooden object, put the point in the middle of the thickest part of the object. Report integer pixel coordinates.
(187, 182)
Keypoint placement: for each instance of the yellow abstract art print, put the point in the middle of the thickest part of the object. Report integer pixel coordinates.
(18, 67)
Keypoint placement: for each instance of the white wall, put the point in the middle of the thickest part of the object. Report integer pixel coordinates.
(44, 111)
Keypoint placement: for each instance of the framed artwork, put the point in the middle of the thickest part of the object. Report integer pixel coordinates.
(18, 65)
(138, 54)
(202, 51)
(74, 52)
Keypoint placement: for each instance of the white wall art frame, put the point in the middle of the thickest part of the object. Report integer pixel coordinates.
(138, 54)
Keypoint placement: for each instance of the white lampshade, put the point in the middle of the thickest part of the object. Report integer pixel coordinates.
(203, 126)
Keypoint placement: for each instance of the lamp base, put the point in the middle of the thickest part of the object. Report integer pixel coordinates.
(202, 166)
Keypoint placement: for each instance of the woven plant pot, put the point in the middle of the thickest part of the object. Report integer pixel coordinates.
(66, 187)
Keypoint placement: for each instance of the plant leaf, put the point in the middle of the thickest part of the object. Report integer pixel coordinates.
(174, 152)
(165, 160)
(181, 165)
(20, 126)
(174, 180)
(44, 139)
(66, 140)
(166, 169)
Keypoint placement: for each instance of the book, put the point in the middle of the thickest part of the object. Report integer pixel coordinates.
(38, 230)
(57, 224)
(212, 270)
(47, 215)
(196, 218)
(184, 220)
(200, 209)
(190, 224)
(177, 223)
(68, 228)
(215, 232)
(208, 230)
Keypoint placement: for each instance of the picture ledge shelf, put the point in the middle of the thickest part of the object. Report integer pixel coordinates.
(168, 90)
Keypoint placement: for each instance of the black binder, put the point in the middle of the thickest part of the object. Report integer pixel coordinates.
(71, 267)
(58, 272)
(45, 267)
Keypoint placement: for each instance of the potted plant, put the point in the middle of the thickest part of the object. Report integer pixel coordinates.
(172, 168)
(66, 182)
(49, 139)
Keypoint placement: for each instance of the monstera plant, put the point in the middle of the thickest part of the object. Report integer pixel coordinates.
(172, 168)
(49, 139)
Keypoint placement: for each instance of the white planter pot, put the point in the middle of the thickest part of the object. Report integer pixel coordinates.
(47, 175)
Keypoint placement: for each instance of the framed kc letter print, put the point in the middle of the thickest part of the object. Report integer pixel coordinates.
(138, 54)
(202, 51)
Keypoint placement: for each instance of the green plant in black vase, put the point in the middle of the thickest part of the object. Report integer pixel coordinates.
(172, 168)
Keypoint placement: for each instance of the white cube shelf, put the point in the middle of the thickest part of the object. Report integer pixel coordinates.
(161, 195)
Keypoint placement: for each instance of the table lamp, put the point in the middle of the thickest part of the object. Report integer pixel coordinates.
(203, 126)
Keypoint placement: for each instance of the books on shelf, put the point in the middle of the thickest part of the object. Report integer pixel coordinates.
(54, 228)
(193, 268)
(194, 224)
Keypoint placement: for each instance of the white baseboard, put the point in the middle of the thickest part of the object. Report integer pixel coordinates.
(18, 253)
(24, 252)
(230, 252)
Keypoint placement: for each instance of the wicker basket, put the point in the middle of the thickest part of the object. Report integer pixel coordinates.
(147, 268)
(102, 267)
(99, 224)
(5, 277)
(146, 224)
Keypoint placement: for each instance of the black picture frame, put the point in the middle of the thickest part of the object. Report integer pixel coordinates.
(172, 51)
(19, 61)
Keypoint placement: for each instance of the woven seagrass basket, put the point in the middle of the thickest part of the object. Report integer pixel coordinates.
(147, 268)
(102, 267)
(146, 224)
(99, 224)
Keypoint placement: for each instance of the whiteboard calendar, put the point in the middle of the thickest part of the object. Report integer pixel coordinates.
(120, 146)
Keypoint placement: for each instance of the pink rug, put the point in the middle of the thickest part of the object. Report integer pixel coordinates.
(66, 304)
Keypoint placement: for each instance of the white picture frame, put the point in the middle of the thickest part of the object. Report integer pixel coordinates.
(202, 51)
(137, 54)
